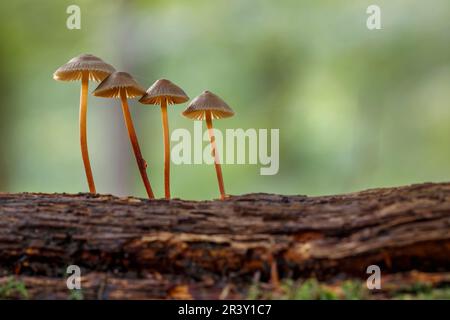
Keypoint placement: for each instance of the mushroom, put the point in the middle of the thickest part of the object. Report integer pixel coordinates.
(209, 106)
(85, 67)
(122, 85)
(165, 92)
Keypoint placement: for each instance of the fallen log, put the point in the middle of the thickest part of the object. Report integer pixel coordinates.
(137, 241)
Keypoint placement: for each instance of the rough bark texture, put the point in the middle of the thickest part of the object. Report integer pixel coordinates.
(136, 248)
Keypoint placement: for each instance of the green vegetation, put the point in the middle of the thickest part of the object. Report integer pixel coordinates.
(312, 289)
(76, 295)
(425, 292)
(309, 289)
(13, 289)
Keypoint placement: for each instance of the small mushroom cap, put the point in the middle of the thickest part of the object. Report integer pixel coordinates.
(164, 89)
(111, 86)
(72, 70)
(205, 102)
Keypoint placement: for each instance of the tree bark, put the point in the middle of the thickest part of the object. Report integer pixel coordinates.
(138, 248)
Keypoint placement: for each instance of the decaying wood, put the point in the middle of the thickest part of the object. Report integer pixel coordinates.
(160, 248)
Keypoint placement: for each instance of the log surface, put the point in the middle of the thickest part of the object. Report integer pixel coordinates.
(153, 247)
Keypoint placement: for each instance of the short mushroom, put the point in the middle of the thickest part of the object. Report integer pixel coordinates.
(209, 106)
(122, 85)
(85, 67)
(165, 92)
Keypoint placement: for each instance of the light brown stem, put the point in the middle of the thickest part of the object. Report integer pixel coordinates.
(83, 131)
(165, 123)
(134, 142)
(215, 154)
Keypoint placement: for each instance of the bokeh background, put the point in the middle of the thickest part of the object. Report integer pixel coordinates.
(355, 108)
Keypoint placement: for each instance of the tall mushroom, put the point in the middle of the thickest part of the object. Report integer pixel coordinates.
(165, 92)
(209, 106)
(122, 85)
(85, 67)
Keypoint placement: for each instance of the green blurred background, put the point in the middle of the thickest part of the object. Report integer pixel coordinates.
(355, 108)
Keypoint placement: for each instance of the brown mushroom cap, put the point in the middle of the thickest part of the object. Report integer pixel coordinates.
(72, 70)
(208, 101)
(111, 86)
(164, 89)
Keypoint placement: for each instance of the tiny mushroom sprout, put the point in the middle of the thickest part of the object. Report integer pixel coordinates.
(85, 67)
(122, 85)
(165, 92)
(209, 106)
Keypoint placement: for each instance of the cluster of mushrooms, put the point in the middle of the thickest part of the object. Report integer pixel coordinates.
(114, 84)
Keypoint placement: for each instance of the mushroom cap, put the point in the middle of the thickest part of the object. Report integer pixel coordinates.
(72, 70)
(208, 101)
(164, 89)
(111, 86)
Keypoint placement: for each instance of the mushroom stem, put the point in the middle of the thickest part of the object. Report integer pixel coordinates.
(83, 131)
(215, 154)
(165, 124)
(134, 142)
